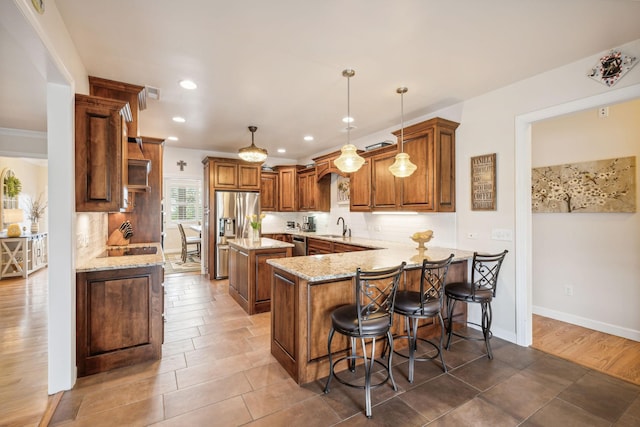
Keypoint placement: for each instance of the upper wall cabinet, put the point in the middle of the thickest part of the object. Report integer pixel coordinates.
(288, 188)
(313, 194)
(431, 146)
(135, 95)
(269, 190)
(231, 174)
(101, 154)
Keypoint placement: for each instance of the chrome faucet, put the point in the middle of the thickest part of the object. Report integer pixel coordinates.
(344, 226)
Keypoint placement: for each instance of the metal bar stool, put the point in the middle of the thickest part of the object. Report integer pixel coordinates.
(481, 290)
(424, 304)
(369, 318)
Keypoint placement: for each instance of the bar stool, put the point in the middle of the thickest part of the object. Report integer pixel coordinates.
(424, 304)
(481, 290)
(369, 318)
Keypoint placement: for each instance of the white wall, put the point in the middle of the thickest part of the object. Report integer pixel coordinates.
(608, 244)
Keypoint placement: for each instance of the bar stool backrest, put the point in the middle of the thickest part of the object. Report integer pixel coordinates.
(376, 293)
(484, 274)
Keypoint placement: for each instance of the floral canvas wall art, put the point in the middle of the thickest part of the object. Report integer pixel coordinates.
(596, 186)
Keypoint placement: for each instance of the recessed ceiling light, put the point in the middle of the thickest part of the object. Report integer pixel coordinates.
(308, 138)
(347, 119)
(172, 138)
(188, 84)
(281, 150)
(179, 119)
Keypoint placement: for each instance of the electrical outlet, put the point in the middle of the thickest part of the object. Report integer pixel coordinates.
(568, 290)
(472, 235)
(501, 234)
(603, 112)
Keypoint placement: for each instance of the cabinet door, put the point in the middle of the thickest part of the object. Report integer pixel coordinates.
(384, 192)
(445, 159)
(360, 188)
(100, 149)
(417, 190)
(306, 191)
(248, 177)
(318, 247)
(263, 275)
(119, 318)
(269, 191)
(225, 175)
(287, 192)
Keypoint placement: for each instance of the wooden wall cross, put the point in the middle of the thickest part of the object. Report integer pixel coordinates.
(182, 164)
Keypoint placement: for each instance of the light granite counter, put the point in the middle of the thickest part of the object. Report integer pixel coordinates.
(264, 243)
(334, 266)
(101, 262)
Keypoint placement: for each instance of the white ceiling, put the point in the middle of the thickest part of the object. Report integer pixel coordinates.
(278, 64)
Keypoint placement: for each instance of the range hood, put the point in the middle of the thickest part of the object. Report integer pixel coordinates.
(138, 167)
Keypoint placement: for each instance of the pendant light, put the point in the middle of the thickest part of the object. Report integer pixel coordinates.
(402, 167)
(252, 153)
(349, 161)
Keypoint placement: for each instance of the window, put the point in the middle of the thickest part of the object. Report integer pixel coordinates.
(185, 200)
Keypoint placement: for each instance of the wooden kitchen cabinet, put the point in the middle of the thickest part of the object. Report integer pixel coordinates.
(318, 246)
(313, 194)
(101, 154)
(134, 95)
(269, 191)
(360, 188)
(432, 187)
(231, 174)
(288, 188)
(250, 276)
(118, 318)
(384, 186)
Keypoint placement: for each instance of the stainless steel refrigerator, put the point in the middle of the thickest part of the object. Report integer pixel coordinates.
(232, 208)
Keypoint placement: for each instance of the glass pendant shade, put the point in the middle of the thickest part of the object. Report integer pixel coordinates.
(402, 167)
(349, 161)
(252, 153)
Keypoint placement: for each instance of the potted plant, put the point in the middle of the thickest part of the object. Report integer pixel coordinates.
(35, 211)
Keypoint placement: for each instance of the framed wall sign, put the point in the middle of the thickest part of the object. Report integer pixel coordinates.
(483, 182)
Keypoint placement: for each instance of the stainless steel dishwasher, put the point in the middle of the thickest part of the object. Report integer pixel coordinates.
(299, 246)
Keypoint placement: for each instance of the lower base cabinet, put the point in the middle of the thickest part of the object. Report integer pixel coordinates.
(250, 278)
(119, 318)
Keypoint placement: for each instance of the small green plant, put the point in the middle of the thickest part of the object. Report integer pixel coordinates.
(12, 186)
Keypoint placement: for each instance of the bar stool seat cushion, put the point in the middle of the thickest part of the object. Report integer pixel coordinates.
(408, 304)
(462, 291)
(345, 320)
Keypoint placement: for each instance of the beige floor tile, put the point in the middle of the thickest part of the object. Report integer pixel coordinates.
(275, 397)
(198, 396)
(125, 394)
(263, 376)
(141, 413)
(228, 413)
(210, 371)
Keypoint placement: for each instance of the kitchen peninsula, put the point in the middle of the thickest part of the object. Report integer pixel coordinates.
(305, 290)
(249, 279)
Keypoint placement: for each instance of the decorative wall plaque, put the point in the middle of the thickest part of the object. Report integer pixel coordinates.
(483, 182)
(611, 67)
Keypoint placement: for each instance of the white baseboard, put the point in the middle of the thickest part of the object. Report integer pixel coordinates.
(498, 333)
(588, 323)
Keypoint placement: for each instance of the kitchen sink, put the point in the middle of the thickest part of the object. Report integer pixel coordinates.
(333, 236)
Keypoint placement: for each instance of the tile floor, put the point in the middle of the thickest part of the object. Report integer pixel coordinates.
(217, 371)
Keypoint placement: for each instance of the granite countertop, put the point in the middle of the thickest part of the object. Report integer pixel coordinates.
(264, 243)
(101, 262)
(316, 268)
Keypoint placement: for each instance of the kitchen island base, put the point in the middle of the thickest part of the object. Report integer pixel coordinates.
(301, 318)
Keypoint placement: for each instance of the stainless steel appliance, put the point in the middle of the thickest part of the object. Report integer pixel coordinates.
(232, 208)
(299, 246)
(308, 223)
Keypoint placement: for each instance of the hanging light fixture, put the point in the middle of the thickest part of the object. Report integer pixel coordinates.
(402, 167)
(349, 161)
(252, 153)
